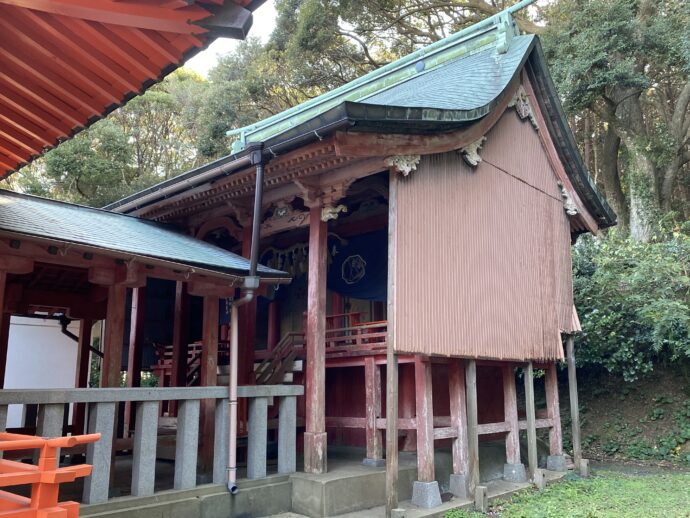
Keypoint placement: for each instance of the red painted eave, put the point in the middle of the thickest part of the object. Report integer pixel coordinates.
(66, 63)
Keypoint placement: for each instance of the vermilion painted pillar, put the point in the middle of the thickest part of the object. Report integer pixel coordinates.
(273, 324)
(136, 344)
(178, 374)
(208, 373)
(315, 434)
(372, 381)
(82, 375)
(113, 336)
(425, 420)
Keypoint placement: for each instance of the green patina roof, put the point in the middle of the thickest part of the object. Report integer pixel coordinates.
(486, 55)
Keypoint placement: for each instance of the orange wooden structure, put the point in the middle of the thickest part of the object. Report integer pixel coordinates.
(45, 478)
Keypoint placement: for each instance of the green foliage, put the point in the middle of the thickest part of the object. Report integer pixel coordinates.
(605, 495)
(633, 299)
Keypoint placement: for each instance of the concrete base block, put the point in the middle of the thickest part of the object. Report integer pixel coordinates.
(514, 473)
(539, 480)
(584, 468)
(397, 513)
(426, 494)
(374, 463)
(458, 485)
(481, 499)
(556, 463)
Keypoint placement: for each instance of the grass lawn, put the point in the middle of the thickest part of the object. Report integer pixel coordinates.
(607, 494)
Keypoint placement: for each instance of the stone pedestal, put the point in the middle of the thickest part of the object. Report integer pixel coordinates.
(584, 468)
(556, 463)
(481, 499)
(426, 494)
(458, 485)
(514, 473)
(539, 479)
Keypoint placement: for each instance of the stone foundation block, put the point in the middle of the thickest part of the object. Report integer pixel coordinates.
(458, 485)
(514, 473)
(426, 494)
(374, 463)
(556, 463)
(584, 468)
(481, 499)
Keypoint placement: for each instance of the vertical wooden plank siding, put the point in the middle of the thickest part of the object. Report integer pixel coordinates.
(391, 358)
(113, 336)
(484, 253)
(315, 434)
(458, 414)
(208, 376)
(553, 410)
(574, 403)
(511, 416)
(372, 381)
(425, 420)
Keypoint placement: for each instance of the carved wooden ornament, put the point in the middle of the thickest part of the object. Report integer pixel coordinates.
(404, 164)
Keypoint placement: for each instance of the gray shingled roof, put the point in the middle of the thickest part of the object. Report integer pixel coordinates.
(470, 83)
(49, 219)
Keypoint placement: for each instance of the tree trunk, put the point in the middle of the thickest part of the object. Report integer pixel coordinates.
(644, 205)
(611, 177)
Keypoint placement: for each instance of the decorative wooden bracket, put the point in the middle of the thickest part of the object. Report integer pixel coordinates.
(523, 107)
(403, 164)
(242, 210)
(470, 153)
(568, 202)
(284, 218)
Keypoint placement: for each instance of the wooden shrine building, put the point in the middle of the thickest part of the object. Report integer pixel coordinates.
(426, 212)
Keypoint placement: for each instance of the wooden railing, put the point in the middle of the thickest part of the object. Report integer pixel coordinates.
(103, 405)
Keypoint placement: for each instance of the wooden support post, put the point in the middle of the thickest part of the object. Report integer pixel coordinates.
(136, 345)
(425, 419)
(553, 410)
(82, 375)
(372, 381)
(208, 377)
(528, 374)
(458, 420)
(113, 336)
(511, 416)
(472, 425)
(574, 403)
(4, 328)
(315, 435)
(178, 374)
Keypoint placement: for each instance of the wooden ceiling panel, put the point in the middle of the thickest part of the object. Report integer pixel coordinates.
(66, 63)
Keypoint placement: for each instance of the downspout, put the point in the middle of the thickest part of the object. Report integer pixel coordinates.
(251, 283)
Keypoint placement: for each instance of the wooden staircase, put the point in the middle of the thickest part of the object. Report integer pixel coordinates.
(286, 359)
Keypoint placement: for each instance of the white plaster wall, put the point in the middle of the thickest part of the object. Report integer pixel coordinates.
(39, 356)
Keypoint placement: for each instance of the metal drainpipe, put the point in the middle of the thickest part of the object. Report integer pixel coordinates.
(250, 285)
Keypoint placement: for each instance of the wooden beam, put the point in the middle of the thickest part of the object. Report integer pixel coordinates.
(372, 381)
(82, 374)
(511, 416)
(553, 410)
(528, 374)
(458, 414)
(114, 336)
(472, 425)
(379, 144)
(16, 264)
(574, 403)
(208, 378)
(136, 346)
(315, 435)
